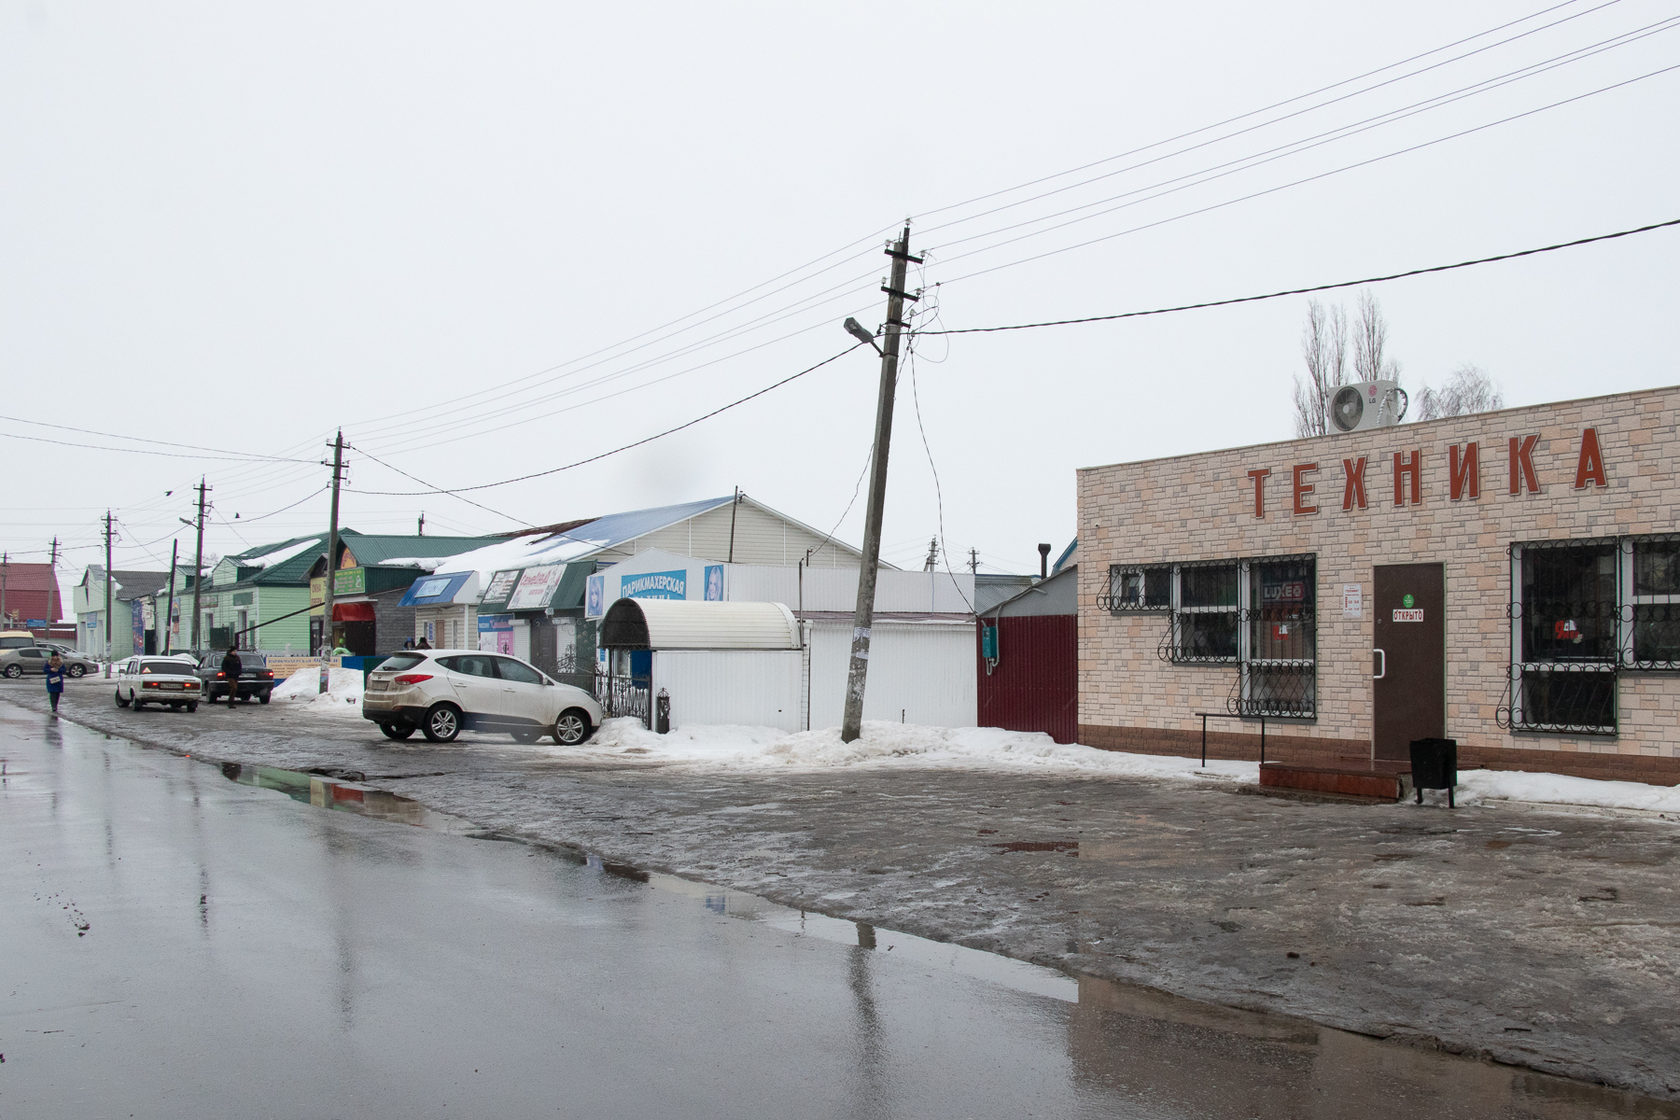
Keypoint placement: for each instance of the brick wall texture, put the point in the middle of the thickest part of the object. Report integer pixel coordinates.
(1202, 507)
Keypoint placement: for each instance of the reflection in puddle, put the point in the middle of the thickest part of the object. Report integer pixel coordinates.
(1182, 1057)
(330, 793)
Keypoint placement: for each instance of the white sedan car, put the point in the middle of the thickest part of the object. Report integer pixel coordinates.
(441, 692)
(158, 680)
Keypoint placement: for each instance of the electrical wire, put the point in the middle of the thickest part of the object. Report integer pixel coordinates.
(618, 450)
(1311, 178)
(938, 491)
(1275, 120)
(1309, 289)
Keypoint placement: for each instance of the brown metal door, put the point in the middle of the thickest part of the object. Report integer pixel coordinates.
(1409, 658)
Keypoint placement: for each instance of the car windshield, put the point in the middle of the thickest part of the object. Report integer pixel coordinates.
(397, 662)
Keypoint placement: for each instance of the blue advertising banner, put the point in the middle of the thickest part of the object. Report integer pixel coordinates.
(655, 585)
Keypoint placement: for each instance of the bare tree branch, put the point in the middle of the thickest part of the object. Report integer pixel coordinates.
(1467, 389)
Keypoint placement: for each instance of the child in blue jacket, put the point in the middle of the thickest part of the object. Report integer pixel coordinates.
(55, 680)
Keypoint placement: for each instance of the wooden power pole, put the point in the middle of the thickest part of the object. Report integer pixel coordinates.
(332, 557)
(856, 677)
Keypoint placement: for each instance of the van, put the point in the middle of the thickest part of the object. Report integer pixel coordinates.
(16, 639)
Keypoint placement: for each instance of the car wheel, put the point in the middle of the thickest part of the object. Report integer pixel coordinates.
(14, 671)
(134, 701)
(263, 698)
(527, 736)
(174, 707)
(77, 671)
(192, 705)
(443, 723)
(121, 703)
(572, 727)
(397, 730)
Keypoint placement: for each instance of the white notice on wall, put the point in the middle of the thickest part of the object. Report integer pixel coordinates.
(1353, 600)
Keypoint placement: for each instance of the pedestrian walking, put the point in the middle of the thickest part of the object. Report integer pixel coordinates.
(54, 669)
(231, 668)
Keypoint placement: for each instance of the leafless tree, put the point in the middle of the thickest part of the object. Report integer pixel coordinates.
(1324, 348)
(1324, 345)
(1467, 389)
(1370, 341)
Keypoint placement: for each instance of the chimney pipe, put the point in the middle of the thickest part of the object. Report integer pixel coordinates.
(1043, 561)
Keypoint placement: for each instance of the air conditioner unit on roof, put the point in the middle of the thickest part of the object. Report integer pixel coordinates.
(1366, 404)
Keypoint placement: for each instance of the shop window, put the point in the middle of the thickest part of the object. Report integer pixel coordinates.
(1205, 622)
(1139, 589)
(1566, 642)
(1280, 650)
(1259, 615)
(1651, 612)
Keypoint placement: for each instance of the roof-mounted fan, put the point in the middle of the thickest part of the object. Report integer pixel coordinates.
(1366, 404)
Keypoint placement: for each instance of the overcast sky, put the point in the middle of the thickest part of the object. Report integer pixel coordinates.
(492, 240)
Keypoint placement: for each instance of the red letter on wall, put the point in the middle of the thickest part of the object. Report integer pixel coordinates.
(1465, 471)
(1259, 477)
(1303, 488)
(1591, 466)
(1353, 483)
(1522, 464)
(1412, 467)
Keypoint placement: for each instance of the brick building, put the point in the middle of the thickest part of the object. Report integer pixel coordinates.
(1509, 579)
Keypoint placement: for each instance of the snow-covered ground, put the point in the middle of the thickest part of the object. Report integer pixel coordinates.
(968, 748)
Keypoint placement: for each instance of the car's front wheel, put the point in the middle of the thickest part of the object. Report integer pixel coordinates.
(396, 730)
(77, 671)
(572, 727)
(443, 723)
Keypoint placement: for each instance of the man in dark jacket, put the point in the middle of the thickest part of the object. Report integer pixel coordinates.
(231, 668)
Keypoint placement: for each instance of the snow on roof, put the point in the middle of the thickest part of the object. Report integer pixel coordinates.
(278, 556)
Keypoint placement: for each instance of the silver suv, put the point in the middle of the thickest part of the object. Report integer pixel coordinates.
(442, 692)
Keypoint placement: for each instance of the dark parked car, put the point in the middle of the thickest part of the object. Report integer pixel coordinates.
(256, 679)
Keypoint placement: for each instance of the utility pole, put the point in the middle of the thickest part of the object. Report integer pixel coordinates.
(5, 567)
(419, 532)
(55, 602)
(107, 593)
(933, 555)
(857, 675)
(198, 563)
(332, 556)
(974, 561)
(169, 598)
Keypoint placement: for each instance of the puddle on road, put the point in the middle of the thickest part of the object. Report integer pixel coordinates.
(349, 797)
(1120, 1036)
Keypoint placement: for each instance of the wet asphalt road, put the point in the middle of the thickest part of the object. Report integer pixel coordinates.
(1543, 939)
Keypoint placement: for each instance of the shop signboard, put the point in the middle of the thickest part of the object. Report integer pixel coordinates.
(495, 633)
(655, 585)
(536, 588)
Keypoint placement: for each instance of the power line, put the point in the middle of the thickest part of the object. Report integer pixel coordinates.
(617, 450)
(1310, 178)
(1308, 290)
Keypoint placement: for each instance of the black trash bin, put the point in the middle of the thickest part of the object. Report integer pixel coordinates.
(1434, 766)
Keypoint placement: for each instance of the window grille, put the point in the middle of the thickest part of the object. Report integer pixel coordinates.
(1259, 615)
(1583, 611)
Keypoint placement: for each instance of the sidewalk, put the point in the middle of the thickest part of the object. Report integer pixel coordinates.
(1538, 937)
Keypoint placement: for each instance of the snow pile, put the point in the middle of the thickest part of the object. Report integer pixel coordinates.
(990, 748)
(280, 555)
(342, 698)
(892, 744)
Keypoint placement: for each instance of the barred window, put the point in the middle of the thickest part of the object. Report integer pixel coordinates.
(1205, 617)
(1259, 615)
(1280, 651)
(1565, 642)
(1651, 614)
(1144, 588)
